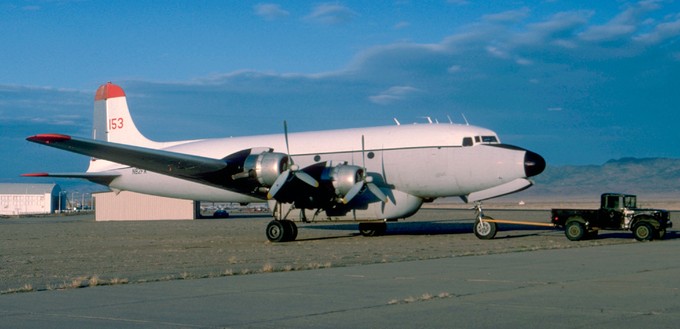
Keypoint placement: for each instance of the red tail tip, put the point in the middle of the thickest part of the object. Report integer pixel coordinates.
(108, 90)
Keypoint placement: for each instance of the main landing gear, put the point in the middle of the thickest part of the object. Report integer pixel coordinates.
(282, 230)
(285, 230)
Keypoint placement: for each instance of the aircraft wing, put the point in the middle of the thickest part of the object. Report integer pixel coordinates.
(196, 168)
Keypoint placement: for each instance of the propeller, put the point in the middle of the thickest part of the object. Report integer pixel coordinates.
(364, 181)
(293, 171)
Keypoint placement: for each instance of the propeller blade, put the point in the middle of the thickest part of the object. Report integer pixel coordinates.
(293, 170)
(356, 188)
(305, 177)
(278, 184)
(377, 192)
(363, 157)
(285, 134)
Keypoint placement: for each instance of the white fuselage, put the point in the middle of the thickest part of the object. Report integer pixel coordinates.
(426, 161)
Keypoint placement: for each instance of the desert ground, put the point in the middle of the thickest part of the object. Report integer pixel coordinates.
(66, 252)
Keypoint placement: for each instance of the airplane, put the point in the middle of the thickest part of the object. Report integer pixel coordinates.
(370, 175)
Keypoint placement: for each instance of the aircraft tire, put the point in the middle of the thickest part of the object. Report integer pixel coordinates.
(485, 230)
(290, 230)
(276, 231)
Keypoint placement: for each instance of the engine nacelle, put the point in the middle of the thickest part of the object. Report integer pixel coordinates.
(265, 167)
(343, 177)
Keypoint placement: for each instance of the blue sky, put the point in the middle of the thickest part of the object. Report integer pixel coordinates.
(580, 82)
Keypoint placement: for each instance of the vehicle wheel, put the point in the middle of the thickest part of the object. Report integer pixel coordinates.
(643, 231)
(485, 230)
(276, 231)
(372, 229)
(290, 230)
(574, 230)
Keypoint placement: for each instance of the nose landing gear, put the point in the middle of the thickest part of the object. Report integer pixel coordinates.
(485, 230)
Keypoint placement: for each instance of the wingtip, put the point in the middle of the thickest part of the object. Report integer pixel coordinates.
(48, 138)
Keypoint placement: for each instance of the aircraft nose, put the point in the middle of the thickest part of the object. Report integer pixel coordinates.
(534, 164)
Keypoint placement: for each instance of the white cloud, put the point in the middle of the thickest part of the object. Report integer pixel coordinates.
(331, 14)
(393, 94)
(496, 52)
(510, 16)
(402, 25)
(454, 69)
(661, 32)
(608, 32)
(559, 29)
(523, 61)
(270, 11)
(622, 25)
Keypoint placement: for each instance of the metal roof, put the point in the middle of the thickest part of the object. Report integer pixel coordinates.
(7, 188)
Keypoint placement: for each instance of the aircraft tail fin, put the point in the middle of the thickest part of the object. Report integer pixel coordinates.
(112, 122)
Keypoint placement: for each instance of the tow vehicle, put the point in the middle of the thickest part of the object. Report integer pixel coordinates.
(617, 212)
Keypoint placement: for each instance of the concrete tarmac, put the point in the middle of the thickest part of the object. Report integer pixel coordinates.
(633, 285)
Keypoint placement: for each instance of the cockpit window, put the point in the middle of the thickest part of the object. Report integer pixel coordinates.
(467, 141)
(489, 139)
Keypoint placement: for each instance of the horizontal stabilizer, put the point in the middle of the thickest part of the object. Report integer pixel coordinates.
(103, 178)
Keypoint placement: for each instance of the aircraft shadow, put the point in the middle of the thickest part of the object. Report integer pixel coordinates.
(426, 227)
(463, 227)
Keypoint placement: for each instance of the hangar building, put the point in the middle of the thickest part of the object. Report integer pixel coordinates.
(21, 199)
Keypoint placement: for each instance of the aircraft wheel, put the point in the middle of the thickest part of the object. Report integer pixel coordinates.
(372, 229)
(485, 230)
(643, 231)
(290, 230)
(574, 230)
(276, 231)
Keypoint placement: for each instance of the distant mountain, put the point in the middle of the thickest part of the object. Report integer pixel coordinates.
(648, 177)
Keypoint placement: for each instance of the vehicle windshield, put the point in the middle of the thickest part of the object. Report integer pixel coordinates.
(629, 201)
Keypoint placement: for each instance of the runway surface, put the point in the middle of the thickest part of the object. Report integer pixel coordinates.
(631, 285)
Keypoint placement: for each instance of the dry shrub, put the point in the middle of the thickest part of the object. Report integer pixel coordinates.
(267, 268)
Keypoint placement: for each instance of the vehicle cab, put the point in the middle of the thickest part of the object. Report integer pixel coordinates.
(616, 209)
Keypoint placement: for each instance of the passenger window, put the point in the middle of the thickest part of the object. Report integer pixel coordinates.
(467, 141)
